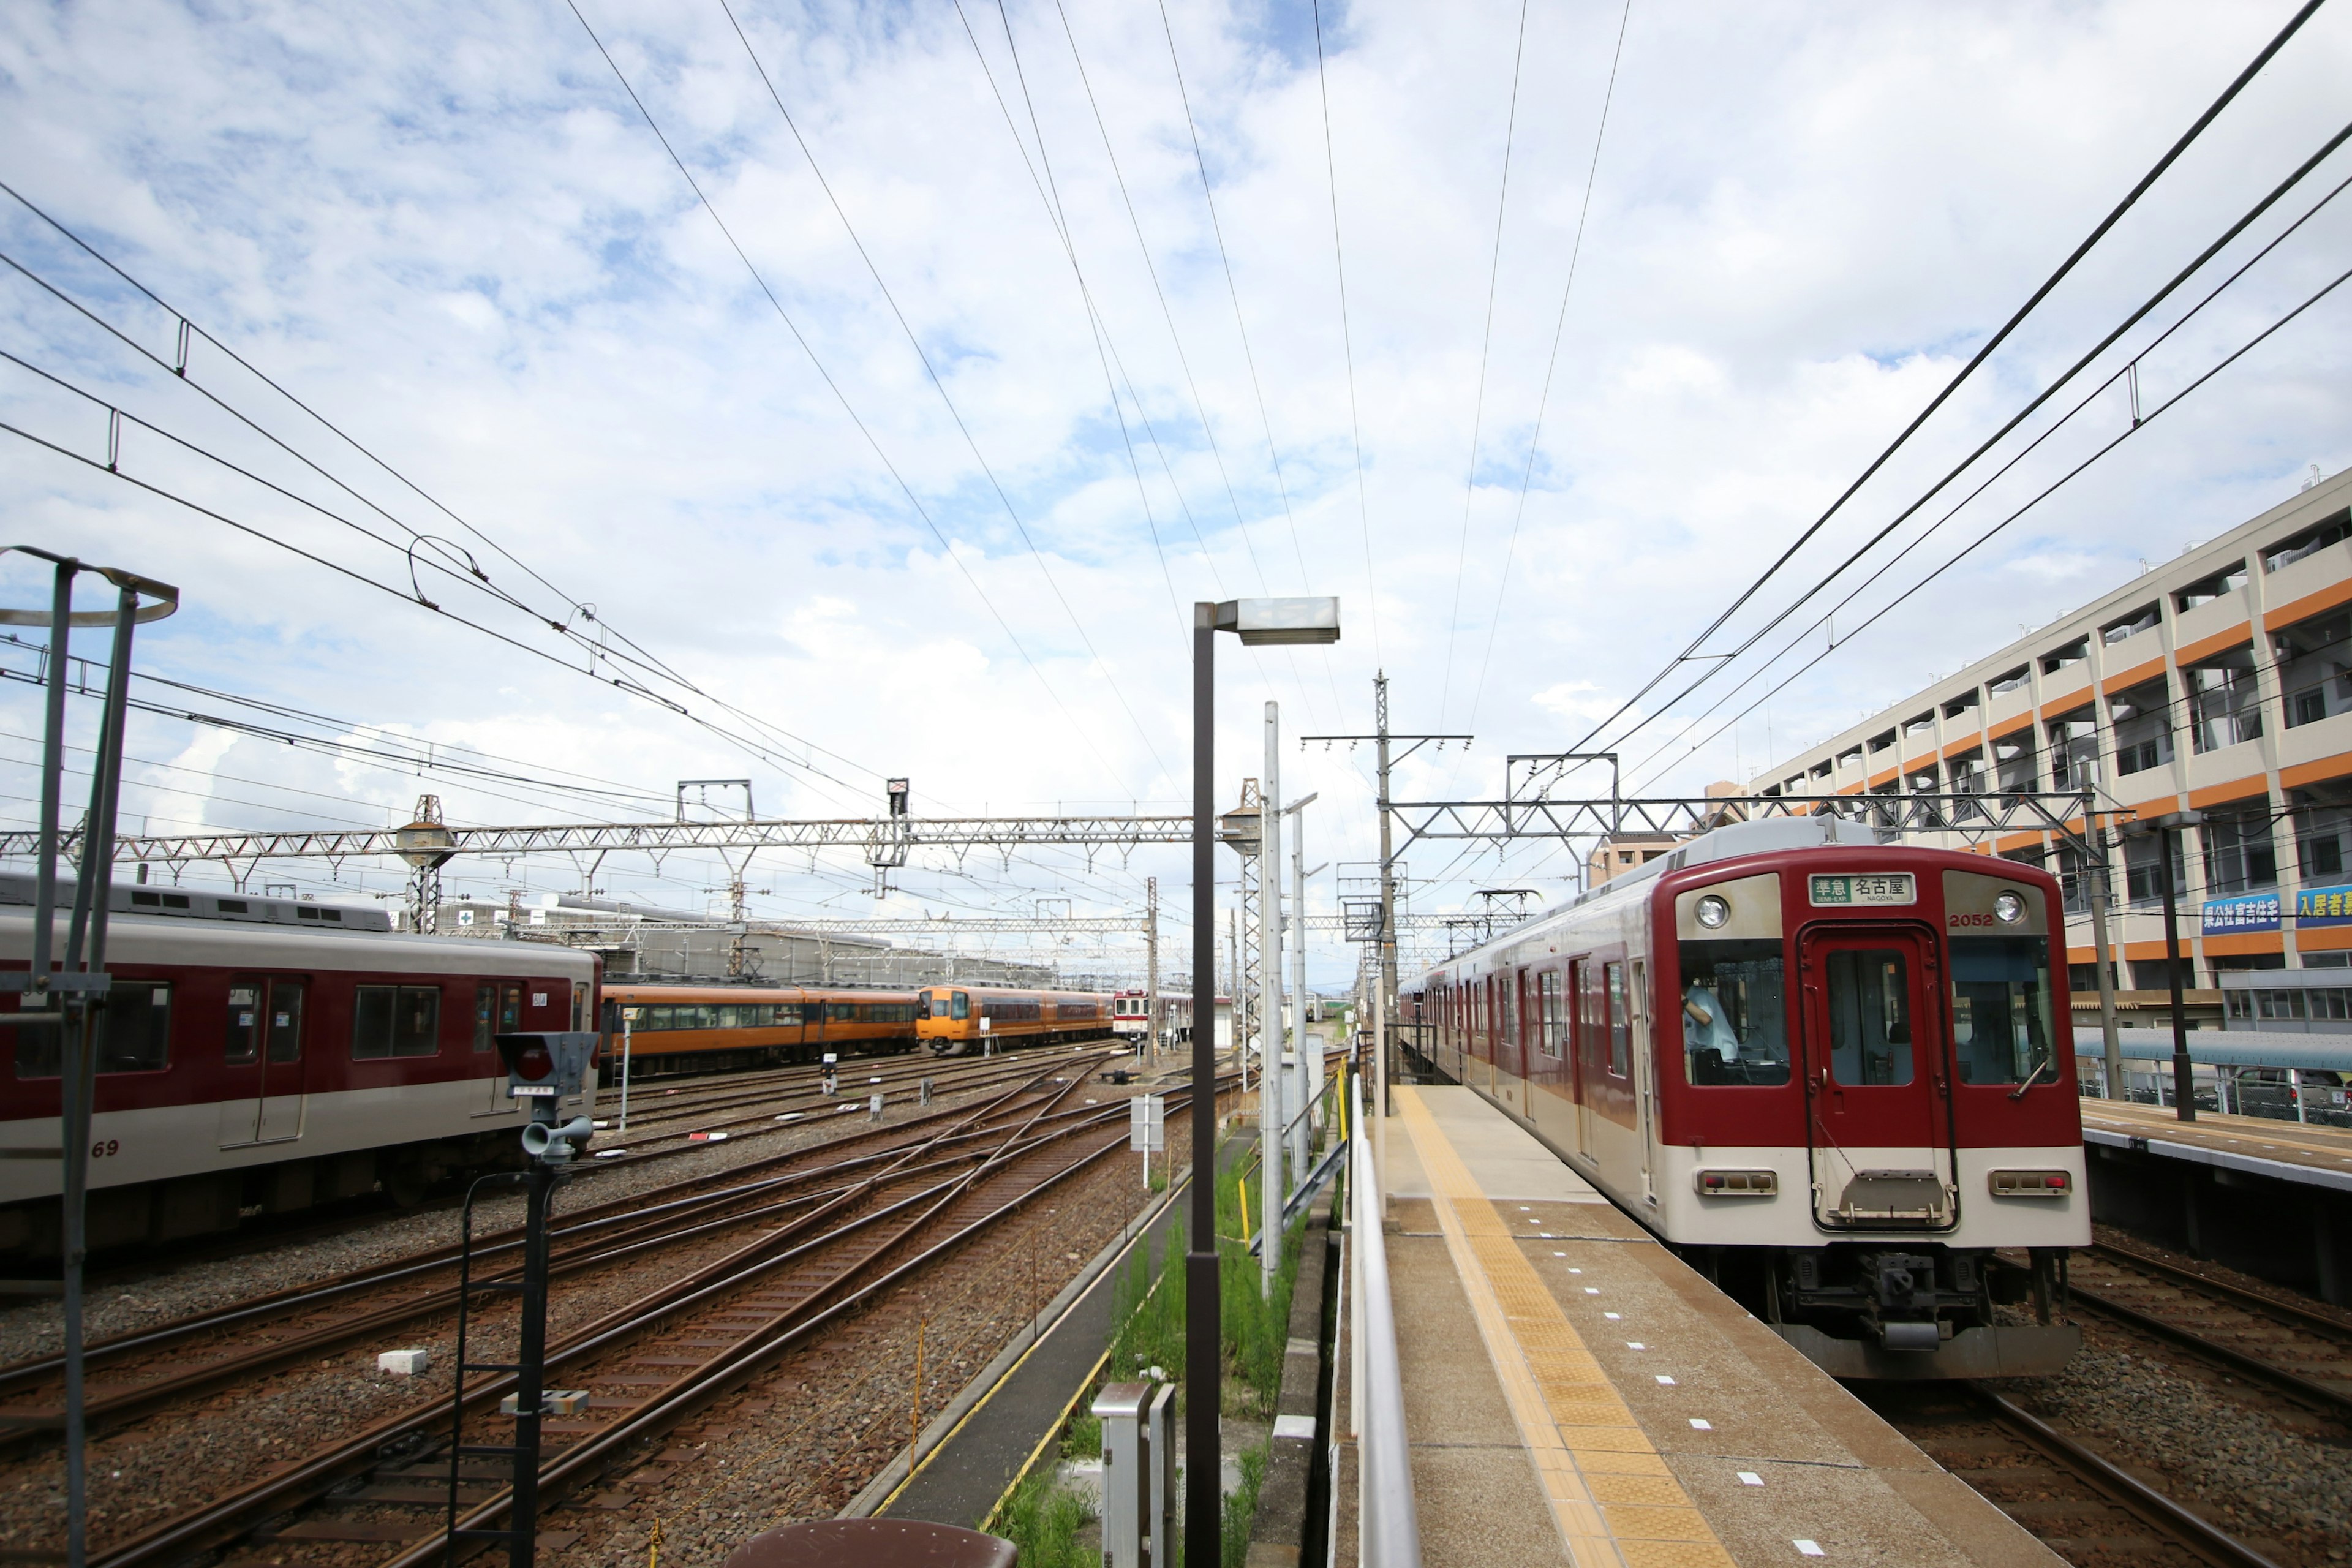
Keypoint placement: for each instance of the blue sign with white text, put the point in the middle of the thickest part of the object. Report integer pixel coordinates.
(2254, 912)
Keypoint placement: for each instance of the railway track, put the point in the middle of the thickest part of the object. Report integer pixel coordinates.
(289, 1326)
(2079, 1505)
(842, 1232)
(2295, 1353)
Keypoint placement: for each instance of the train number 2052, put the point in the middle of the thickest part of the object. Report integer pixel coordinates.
(1955, 920)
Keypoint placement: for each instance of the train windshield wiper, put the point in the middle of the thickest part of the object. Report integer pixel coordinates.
(2032, 1078)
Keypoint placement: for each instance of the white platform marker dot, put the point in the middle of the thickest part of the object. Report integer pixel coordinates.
(1811, 1549)
(1635, 1345)
(1564, 1254)
(1750, 1479)
(1665, 1380)
(1592, 1289)
(1613, 1317)
(1699, 1425)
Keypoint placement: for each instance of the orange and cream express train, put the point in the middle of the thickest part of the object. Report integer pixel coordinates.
(715, 1029)
(966, 1020)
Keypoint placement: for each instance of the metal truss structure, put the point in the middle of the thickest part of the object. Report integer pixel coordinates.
(1972, 818)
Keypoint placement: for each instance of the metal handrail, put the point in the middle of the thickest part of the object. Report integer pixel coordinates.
(1389, 1525)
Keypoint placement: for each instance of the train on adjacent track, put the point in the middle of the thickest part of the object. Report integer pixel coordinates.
(969, 1020)
(260, 1056)
(1130, 1015)
(1827, 1070)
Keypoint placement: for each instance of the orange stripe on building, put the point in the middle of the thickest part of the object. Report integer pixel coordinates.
(1850, 789)
(2324, 939)
(2236, 789)
(2133, 676)
(2008, 842)
(1889, 776)
(2011, 725)
(2310, 605)
(2303, 773)
(1968, 743)
(2219, 642)
(2237, 941)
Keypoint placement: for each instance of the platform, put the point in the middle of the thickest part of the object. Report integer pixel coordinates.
(2252, 1145)
(1574, 1393)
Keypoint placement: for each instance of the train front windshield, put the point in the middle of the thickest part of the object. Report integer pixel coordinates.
(2000, 1008)
(1735, 1020)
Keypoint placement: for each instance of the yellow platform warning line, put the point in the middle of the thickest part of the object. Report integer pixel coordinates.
(1616, 1503)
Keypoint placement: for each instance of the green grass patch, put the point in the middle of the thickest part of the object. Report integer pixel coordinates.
(1043, 1520)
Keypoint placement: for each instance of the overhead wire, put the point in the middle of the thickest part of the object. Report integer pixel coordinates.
(1551, 364)
(2016, 319)
(915, 342)
(2057, 385)
(1347, 336)
(808, 349)
(1485, 351)
(637, 654)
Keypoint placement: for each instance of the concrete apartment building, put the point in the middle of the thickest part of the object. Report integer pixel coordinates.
(2220, 681)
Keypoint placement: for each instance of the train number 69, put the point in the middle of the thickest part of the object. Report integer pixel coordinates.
(105, 1146)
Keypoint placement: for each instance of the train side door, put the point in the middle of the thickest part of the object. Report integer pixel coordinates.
(1644, 1073)
(498, 1010)
(1877, 1081)
(1582, 1043)
(282, 1098)
(261, 1055)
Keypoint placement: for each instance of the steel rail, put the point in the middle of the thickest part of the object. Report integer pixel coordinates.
(615, 1210)
(2303, 1390)
(2149, 1506)
(684, 1398)
(227, 1517)
(2285, 1311)
(117, 1405)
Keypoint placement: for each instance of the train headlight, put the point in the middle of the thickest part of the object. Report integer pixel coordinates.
(2009, 908)
(1712, 911)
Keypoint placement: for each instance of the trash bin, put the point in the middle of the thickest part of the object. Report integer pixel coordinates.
(873, 1543)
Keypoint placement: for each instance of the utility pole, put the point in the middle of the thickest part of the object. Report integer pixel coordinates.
(2094, 869)
(1306, 1076)
(1270, 1110)
(1151, 970)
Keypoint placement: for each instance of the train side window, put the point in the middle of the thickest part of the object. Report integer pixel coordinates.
(1507, 986)
(134, 1030)
(510, 1009)
(486, 1006)
(1621, 1022)
(39, 1053)
(1870, 1016)
(286, 1021)
(243, 1043)
(2001, 1007)
(840, 1011)
(1554, 1010)
(395, 1021)
(1735, 1012)
(962, 1006)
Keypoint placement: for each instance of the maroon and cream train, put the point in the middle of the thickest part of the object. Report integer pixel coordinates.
(262, 1055)
(1824, 1069)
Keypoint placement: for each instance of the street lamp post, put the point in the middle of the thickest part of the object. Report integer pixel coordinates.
(1256, 621)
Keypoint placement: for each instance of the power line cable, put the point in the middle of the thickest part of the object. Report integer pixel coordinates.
(931, 370)
(1347, 334)
(2099, 232)
(1551, 364)
(834, 388)
(1485, 351)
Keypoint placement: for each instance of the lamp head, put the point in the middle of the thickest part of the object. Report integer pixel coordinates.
(1272, 622)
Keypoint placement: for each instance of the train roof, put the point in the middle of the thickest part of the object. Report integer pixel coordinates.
(18, 888)
(691, 991)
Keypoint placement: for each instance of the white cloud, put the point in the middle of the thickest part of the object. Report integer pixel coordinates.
(447, 229)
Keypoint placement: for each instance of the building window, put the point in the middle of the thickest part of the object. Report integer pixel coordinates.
(2074, 750)
(1882, 741)
(2322, 816)
(2315, 666)
(1920, 724)
(2058, 658)
(2224, 702)
(2074, 888)
(2015, 767)
(2140, 620)
(2149, 974)
(2142, 872)
(2142, 718)
(2228, 580)
(2239, 854)
(2009, 680)
(1960, 707)
(1967, 772)
(2317, 537)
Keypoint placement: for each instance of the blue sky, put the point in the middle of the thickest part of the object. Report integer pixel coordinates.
(448, 230)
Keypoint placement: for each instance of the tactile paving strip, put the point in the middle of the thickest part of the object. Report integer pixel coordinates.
(1616, 1503)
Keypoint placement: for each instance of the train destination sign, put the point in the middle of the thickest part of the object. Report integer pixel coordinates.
(1892, 887)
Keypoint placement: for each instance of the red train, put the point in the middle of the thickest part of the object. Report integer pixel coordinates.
(1828, 1071)
(262, 1055)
